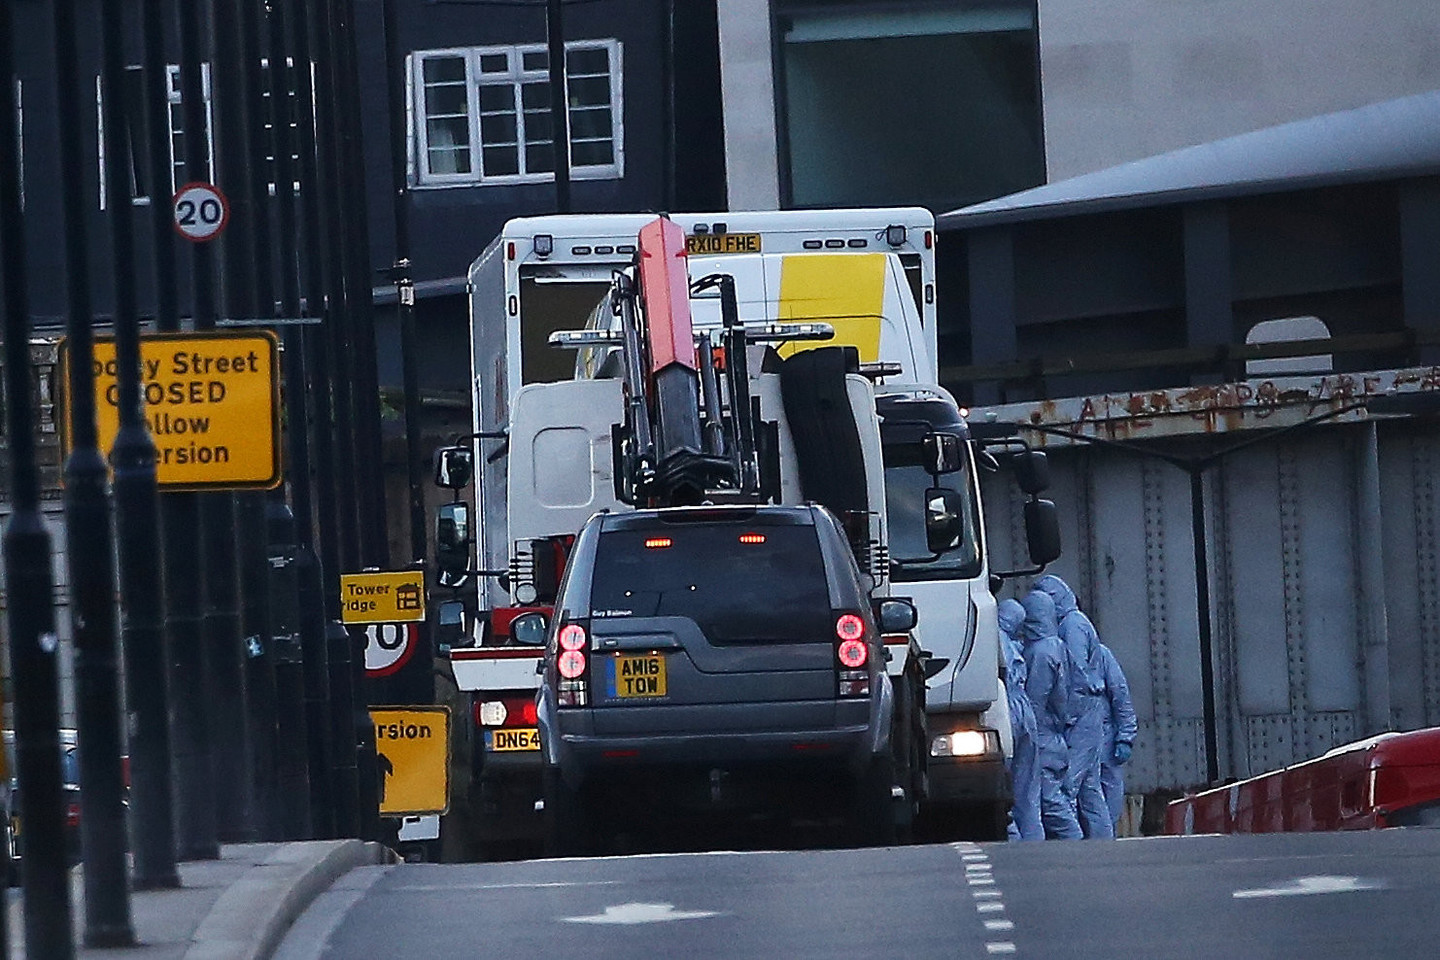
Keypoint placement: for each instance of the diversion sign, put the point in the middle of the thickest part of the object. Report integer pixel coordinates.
(212, 401)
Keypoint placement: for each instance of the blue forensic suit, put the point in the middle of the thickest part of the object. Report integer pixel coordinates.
(1088, 708)
(1046, 686)
(1025, 763)
(1120, 728)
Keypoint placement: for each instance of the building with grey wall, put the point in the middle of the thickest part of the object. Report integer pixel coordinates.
(949, 103)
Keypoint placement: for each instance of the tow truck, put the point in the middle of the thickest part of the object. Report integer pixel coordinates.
(874, 283)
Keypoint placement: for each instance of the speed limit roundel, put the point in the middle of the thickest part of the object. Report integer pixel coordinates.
(201, 211)
(387, 647)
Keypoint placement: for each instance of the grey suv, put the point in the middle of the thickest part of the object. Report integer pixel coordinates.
(716, 660)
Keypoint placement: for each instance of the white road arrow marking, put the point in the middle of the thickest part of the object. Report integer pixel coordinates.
(632, 913)
(1304, 886)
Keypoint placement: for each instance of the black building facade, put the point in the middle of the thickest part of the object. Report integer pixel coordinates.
(644, 93)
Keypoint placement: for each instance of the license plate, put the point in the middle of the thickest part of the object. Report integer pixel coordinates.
(633, 677)
(704, 244)
(509, 741)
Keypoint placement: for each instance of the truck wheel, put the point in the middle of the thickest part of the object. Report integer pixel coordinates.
(872, 820)
(567, 832)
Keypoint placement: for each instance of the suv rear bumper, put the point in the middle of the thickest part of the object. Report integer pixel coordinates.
(847, 746)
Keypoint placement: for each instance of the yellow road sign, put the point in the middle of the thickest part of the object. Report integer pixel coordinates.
(213, 403)
(396, 596)
(412, 746)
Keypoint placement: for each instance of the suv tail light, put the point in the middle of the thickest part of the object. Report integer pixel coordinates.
(571, 664)
(572, 637)
(852, 654)
(572, 687)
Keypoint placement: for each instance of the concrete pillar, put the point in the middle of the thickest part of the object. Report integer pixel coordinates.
(747, 82)
(991, 253)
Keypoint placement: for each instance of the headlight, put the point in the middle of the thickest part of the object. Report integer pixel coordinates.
(966, 743)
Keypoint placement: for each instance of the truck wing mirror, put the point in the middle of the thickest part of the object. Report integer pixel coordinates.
(944, 453)
(944, 519)
(1042, 531)
(450, 629)
(454, 467)
(528, 629)
(1032, 472)
(452, 541)
(896, 615)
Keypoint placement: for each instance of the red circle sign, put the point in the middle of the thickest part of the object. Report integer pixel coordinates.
(388, 647)
(201, 211)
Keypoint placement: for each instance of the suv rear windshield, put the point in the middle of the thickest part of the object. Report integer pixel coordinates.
(740, 584)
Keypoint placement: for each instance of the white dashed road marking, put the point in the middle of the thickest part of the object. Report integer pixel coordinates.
(999, 925)
(989, 906)
(1003, 946)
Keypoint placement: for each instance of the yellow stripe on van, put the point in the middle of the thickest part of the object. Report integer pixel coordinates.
(846, 290)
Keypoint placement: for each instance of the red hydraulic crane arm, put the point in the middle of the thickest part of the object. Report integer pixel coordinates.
(665, 295)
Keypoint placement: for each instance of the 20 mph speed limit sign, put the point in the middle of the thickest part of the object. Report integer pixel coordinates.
(201, 211)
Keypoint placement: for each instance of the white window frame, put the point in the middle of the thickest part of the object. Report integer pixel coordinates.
(172, 90)
(419, 153)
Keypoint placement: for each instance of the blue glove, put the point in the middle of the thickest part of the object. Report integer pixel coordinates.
(1122, 752)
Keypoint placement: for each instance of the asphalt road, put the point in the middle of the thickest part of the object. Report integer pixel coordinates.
(1309, 896)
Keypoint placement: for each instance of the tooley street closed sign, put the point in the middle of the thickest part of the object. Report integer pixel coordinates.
(212, 401)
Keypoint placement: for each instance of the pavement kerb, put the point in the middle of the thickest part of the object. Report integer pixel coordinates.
(251, 917)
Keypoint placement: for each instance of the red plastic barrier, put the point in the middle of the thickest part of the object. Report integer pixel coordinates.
(1389, 780)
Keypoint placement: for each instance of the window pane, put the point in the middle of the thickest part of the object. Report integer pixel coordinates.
(448, 132)
(587, 61)
(589, 91)
(595, 153)
(497, 128)
(501, 161)
(441, 69)
(539, 158)
(535, 95)
(536, 60)
(984, 84)
(449, 160)
(495, 97)
(537, 125)
(495, 63)
(590, 123)
(449, 99)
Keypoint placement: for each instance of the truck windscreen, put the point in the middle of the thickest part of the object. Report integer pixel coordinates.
(762, 584)
(911, 559)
